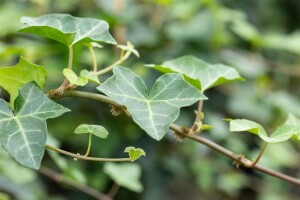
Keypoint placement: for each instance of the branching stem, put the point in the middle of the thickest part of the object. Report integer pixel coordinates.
(243, 161)
(196, 128)
(80, 157)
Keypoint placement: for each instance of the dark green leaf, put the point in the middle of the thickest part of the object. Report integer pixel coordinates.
(67, 29)
(154, 111)
(199, 73)
(24, 132)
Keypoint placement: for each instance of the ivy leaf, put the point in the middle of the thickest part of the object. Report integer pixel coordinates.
(23, 133)
(73, 78)
(126, 175)
(90, 76)
(12, 78)
(96, 130)
(154, 111)
(134, 153)
(283, 133)
(67, 29)
(199, 73)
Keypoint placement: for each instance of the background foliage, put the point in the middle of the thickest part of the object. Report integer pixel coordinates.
(259, 38)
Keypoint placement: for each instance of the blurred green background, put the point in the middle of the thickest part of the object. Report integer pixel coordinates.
(261, 39)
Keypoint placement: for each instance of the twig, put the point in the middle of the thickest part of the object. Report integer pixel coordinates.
(113, 190)
(196, 128)
(78, 156)
(245, 162)
(83, 188)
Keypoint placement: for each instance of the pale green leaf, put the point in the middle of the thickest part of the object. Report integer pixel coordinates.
(96, 130)
(23, 133)
(156, 110)
(292, 120)
(199, 73)
(126, 175)
(283, 133)
(12, 78)
(73, 78)
(67, 29)
(129, 47)
(134, 153)
(90, 76)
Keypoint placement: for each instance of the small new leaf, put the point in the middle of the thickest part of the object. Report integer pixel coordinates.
(90, 76)
(23, 133)
(199, 73)
(283, 133)
(12, 78)
(156, 110)
(67, 29)
(73, 78)
(129, 47)
(96, 130)
(134, 153)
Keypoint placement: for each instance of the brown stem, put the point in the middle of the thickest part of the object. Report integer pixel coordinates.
(81, 157)
(113, 190)
(245, 162)
(83, 188)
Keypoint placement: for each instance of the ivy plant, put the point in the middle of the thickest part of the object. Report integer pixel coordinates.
(23, 125)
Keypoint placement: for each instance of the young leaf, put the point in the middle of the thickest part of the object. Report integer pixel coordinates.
(126, 175)
(73, 78)
(153, 112)
(90, 76)
(283, 133)
(12, 78)
(134, 153)
(67, 29)
(129, 47)
(96, 130)
(199, 73)
(23, 133)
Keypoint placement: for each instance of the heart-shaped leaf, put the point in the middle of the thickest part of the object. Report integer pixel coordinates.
(283, 133)
(134, 153)
(12, 78)
(199, 73)
(67, 29)
(126, 175)
(153, 112)
(90, 76)
(23, 133)
(96, 130)
(73, 78)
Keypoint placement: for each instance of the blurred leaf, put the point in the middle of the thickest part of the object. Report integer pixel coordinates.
(126, 175)
(199, 73)
(90, 76)
(67, 29)
(12, 78)
(73, 78)
(24, 132)
(292, 120)
(96, 130)
(153, 112)
(283, 133)
(134, 153)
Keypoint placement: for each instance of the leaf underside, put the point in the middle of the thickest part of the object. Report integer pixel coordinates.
(199, 73)
(153, 112)
(67, 29)
(23, 133)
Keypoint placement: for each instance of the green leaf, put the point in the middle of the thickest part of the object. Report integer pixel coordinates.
(154, 111)
(90, 76)
(283, 133)
(67, 29)
(292, 120)
(23, 133)
(96, 130)
(126, 175)
(134, 153)
(73, 78)
(12, 78)
(199, 73)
